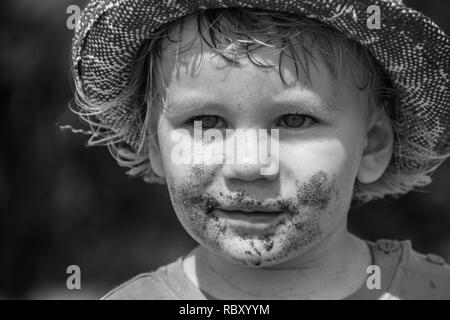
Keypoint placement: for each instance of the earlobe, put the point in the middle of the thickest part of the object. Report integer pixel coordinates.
(156, 163)
(378, 150)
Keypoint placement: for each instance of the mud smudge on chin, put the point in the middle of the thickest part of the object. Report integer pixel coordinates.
(252, 244)
(316, 191)
(222, 229)
(198, 170)
(267, 241)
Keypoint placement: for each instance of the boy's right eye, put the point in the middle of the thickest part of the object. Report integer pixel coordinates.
(208, 121)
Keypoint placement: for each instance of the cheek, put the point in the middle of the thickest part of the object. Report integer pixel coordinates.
(193, 206)
(304, 156)
(182, 158)
(330, 155)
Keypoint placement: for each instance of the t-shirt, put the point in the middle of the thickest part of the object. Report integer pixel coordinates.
(405, 274)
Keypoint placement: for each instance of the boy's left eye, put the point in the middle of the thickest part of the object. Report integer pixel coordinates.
(294, 120)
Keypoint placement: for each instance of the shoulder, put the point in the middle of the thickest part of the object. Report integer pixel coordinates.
(418, 276)
(146, 286)
(424, 276)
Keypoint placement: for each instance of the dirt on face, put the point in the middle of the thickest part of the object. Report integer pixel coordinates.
(301, 227)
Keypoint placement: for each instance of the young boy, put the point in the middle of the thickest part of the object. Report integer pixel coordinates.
(348, 101)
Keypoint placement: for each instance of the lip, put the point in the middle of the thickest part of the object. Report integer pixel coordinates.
(250, 218)
(250, 210)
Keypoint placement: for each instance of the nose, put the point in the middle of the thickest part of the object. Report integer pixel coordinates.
(250, 161)
(247, 172)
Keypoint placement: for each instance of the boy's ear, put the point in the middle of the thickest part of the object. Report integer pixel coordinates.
(378, 148)
(156, 162)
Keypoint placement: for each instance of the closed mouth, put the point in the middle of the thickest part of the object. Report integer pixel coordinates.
(250, 210)
(250, 215)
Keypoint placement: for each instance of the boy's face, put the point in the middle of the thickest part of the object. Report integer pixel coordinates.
(322, 125)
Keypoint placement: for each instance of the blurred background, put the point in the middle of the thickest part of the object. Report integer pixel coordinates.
(63, 204)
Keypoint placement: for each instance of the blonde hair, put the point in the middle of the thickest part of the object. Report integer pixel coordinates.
(231, 33)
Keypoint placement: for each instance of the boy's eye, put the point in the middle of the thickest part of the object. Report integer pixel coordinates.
(208, 122)
(294, 121)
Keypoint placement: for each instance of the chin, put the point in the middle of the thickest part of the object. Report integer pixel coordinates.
(247, 256)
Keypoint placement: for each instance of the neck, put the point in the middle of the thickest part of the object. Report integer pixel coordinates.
(332, 269)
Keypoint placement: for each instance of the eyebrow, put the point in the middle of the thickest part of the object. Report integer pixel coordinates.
(191, 101)
(308, 99)
(194, 102)
(315, 106)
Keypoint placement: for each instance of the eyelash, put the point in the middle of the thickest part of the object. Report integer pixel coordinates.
(306, 118)
(199, 118)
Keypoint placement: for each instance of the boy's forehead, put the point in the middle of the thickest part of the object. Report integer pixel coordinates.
(191, 63)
